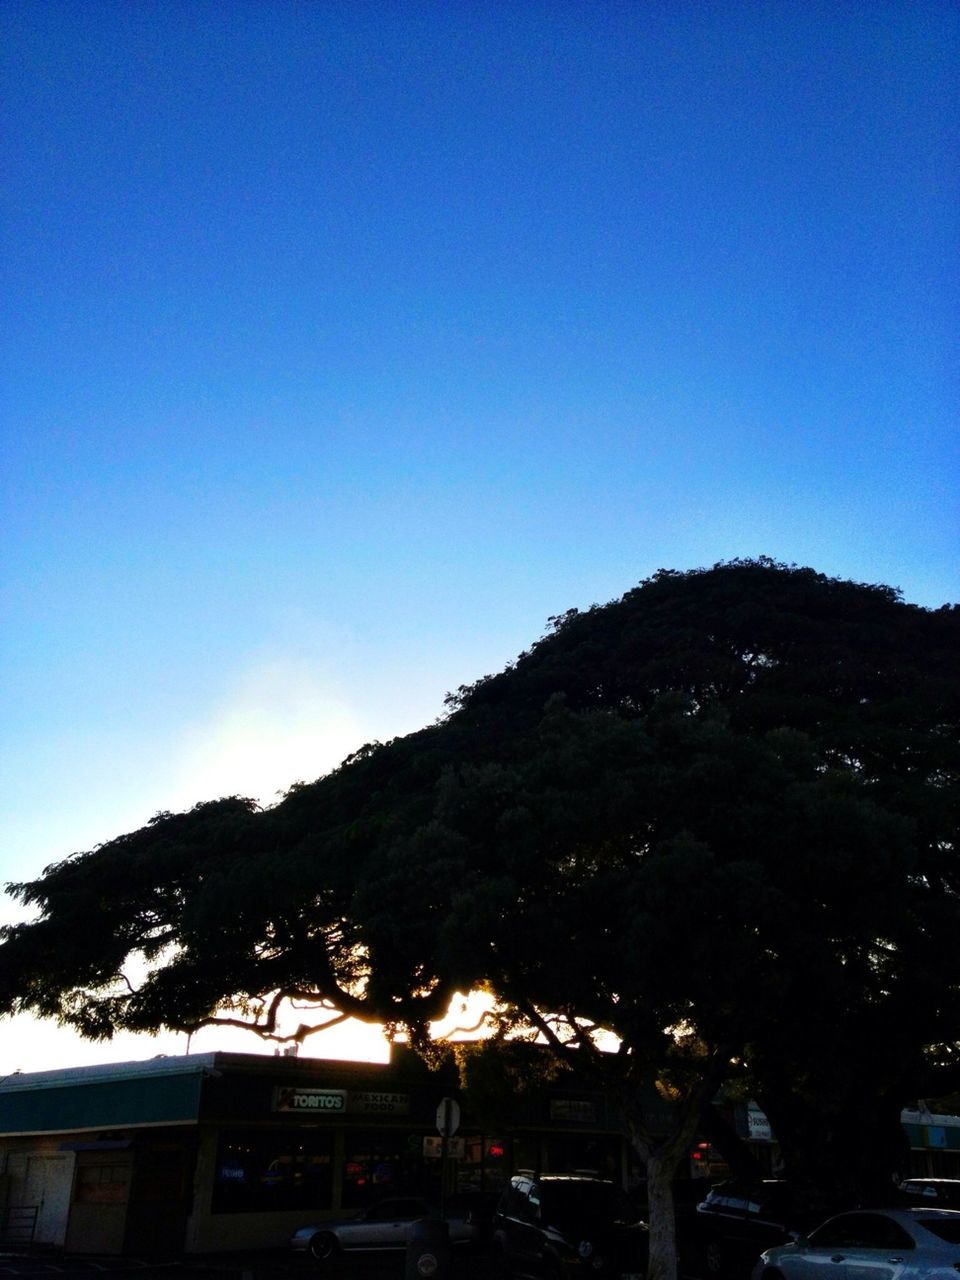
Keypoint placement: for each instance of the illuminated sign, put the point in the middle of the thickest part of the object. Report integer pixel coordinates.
(337, 1102)
(314, 1101)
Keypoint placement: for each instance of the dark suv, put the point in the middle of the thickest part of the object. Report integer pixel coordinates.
(561, 1226)
(736, 1221)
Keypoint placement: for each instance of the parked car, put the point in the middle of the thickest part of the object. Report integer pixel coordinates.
(560, 1226)
(736, 1221)
(882, 1244)
(384, 1226)
(932, 1193)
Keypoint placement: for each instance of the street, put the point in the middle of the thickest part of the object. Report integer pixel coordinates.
(260, 1266)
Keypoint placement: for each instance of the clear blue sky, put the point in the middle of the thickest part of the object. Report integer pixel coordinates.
(346, 342)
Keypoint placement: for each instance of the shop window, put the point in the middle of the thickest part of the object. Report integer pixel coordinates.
(163, 1175)
(482, 1165)
(381, 1164)
(582, 1153)
(102, 1184)
(495, 1164)
(526, 1154)
(264, 1172)
(467, 1163)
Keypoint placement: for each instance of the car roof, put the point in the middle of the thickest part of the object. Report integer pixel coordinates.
(572, 1177)
(909, 1213)
(744, 1184)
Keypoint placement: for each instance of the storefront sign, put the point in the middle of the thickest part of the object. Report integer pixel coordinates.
(577, 1110)
(337, 1102)
(311, 1101)
(758, 1125)
(380, 1104)
(433, 1147)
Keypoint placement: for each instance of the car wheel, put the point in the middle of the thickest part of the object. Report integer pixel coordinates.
(714, 1259)
(324, 1246)
(501, 1263)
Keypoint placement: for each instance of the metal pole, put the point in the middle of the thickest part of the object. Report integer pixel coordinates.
(444, 1152)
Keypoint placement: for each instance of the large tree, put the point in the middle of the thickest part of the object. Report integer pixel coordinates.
(714, 821)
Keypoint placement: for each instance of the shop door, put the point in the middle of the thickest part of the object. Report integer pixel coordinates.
(99, 1211)
(48, 1183)
(159, 1200)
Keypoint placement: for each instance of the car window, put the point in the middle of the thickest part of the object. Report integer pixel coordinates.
(884, 1233)
(397, 1210)
(864, 1230)
(533, 1205)
(508, 1201)
(586, 1201)
(516, 1203)
(412, 1209)
(947, 1229)
(380, 1212)
(725, 1200)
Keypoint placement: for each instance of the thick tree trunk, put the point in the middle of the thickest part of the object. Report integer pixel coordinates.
(662, 1264)
(662, 1157)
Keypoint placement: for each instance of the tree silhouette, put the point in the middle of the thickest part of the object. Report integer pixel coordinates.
(712, 823)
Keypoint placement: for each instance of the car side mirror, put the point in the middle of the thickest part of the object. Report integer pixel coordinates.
(797, 1237)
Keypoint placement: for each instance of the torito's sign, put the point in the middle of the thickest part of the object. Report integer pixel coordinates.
(314, 1101)
(338, 1102)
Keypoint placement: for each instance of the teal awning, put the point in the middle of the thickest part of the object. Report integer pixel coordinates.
(115, 1104)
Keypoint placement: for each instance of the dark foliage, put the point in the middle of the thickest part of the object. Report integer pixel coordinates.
(726, 802)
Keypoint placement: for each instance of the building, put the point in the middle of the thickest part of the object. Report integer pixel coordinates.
(224, 1151)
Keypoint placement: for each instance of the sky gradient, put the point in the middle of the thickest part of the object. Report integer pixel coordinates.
(346, 343)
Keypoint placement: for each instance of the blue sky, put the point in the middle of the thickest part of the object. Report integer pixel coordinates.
(345, 343)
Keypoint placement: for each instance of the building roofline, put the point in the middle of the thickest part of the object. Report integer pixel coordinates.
(168, 1065)
(161, 1065)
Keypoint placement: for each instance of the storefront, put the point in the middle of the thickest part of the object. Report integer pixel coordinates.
(230, 1151)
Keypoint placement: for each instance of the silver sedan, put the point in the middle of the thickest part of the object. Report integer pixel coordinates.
(871, 1244)
(382, 1226)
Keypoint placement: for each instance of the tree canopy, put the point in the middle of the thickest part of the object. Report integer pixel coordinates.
(715, 818)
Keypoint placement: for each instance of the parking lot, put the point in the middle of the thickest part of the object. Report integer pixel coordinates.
(265, 1266)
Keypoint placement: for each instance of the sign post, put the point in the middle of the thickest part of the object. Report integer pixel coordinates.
(448, 1122)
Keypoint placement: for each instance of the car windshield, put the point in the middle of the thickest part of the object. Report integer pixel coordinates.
(579, 1201)
(760, 1197)
(947, 1229)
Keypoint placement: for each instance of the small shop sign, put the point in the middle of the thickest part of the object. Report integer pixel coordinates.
(433, 1147)
(312, 1101)
(339, 1102)
(573, 1110)
(758, 1126)
(380, 1104)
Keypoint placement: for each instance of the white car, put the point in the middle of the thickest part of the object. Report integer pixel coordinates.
(383, 1226)
(871, 1244)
